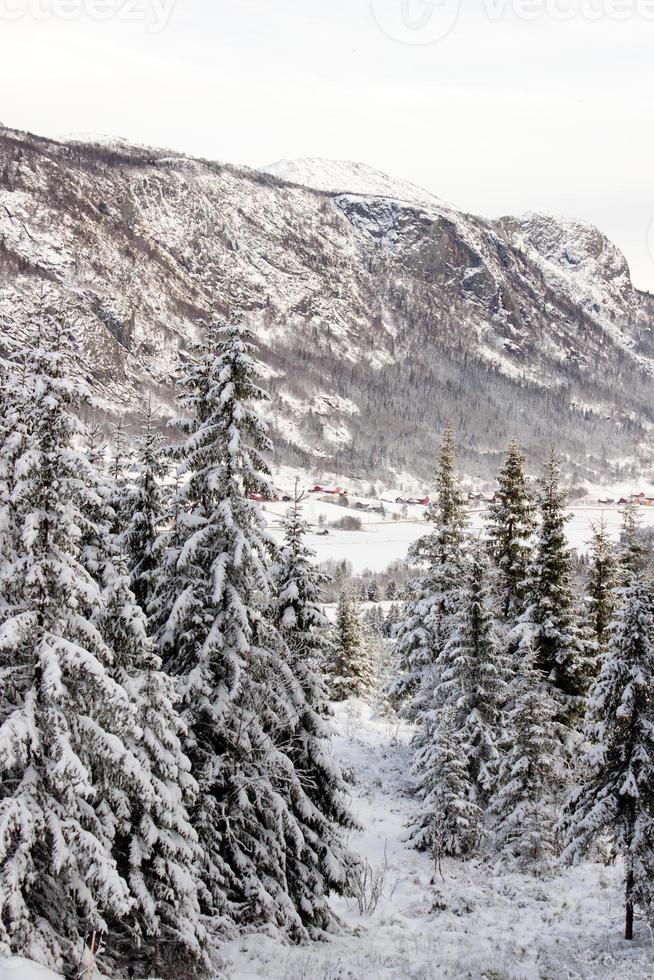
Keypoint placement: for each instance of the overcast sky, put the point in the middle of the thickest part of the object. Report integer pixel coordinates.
(492, 111)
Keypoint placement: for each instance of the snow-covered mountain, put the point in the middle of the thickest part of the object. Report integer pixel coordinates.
(349, 177)
(380, 310)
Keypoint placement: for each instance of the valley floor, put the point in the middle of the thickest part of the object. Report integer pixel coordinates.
(382, 541)
(468, 923)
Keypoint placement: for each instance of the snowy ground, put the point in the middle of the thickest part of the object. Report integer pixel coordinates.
(383, 540)
(20, 969)
(469, 923)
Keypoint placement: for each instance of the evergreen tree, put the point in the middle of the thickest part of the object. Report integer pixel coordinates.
(432, 599)
(108, 755)
(95, 447)
(551, 623)
(602, 582)
(156, 848)
(444, 549)
(448, 823)
(64, 723)
(616, 798)
(120, 452)
(240, 699)
(146, 512)
(14, 434)
(375, 622)
(323, 859)
(350, 668)
(530, 773)
(393, 618)
(511, 524)
(412, 646)
(473, 679)
(120, 458)
(632, 552)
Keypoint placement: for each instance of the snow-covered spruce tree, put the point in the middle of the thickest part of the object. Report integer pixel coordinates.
(632, 552)
(449, 822)
(319, 866)
(146, 511)
(391, 621)
(411, 645)
(14, 432)
(551, 623)
(511, 523)
(155, 846)
(432, 599)
(444, 548)
(601, 587)
(119, 465)
(120, 454)
(95, 446)
(530, 777)
(350, 668)
(474, 679)
(239, 696)
(616, 799)
(64, 721)
(299, 587)
(375, 621)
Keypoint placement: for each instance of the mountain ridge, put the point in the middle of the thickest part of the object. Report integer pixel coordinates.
(378, 317)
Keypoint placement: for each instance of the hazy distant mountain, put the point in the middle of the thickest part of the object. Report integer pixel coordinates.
(380, 310)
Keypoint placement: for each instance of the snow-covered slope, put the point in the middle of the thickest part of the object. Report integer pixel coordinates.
(16, 968)
(380, 310)
(348, 177)
(462, 920)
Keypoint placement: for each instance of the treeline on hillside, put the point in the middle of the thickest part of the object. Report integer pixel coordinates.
(404, 403)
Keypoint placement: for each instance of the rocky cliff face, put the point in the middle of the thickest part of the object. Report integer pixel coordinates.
(380, 310)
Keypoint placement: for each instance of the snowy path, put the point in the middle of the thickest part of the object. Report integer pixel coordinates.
(472, 924)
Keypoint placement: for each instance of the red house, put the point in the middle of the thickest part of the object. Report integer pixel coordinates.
(330, 491)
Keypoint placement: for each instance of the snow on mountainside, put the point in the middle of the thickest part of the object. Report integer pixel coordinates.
(348, 177)
(380, 311)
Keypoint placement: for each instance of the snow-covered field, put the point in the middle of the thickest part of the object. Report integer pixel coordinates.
(383, 540)
(471, 922)
(468, 922)
(20, 969)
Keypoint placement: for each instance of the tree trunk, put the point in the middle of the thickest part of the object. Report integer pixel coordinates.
(629, 906)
